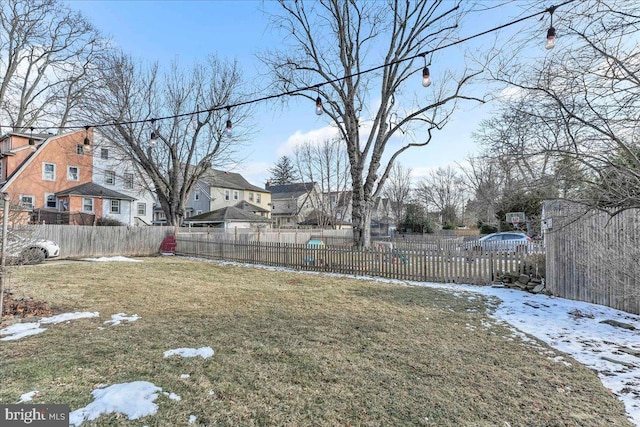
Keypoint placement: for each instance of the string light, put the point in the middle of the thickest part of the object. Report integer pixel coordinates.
(551, 32)
(319, 109)
(229, 128)
(426, 78)
(32, 141)
(86, 136)
(153, 137)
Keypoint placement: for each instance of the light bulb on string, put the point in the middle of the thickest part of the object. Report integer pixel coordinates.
(319, 108)
(426, 76)
(551, 38)
(153, 137)
(87, 142)
(229, 129)
(32, 141)
(551, 32)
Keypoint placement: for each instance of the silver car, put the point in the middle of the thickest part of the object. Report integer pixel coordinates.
(504, 241)
(26, 250)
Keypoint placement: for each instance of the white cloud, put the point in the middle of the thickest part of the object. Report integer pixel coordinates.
(299, 138)
(511, 93)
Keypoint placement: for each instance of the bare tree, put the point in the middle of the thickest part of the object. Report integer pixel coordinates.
(327, 165)
(48, 62)
(585, 99)
(174, 152)
(330, 45)
(398, 190)
(442, 191)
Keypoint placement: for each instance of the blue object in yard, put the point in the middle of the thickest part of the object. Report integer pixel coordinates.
(313, 244)
(397, 254)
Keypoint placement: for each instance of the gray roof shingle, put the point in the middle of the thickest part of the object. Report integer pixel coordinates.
(93, 190)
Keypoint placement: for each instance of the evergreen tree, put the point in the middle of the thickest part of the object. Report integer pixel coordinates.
(284, 172)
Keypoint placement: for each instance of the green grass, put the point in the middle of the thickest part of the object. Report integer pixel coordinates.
(290, 349)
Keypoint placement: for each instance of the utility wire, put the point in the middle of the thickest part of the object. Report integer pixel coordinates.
(550, 9)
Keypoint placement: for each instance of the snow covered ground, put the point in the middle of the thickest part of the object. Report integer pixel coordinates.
(21, 330)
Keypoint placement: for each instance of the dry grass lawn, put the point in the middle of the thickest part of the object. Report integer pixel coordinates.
(290, 350)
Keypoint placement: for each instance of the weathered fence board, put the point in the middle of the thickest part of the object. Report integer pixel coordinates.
(593, 256)
(438, 264)
(89, 241)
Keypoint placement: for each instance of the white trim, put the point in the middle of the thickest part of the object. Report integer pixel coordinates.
(119, 205)
(69, 173)
(92, 204)
(46, 201)
(33, 201)
(44, 167)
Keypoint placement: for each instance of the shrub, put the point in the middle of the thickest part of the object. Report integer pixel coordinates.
(535, 265)
(488, 229)
(110, 222)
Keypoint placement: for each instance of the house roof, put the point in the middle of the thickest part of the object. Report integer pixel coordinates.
(227, 214)
(92, 189)
(232, 180)
(246, 206)
(290, 191)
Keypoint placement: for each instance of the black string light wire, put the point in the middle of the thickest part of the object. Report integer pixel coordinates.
(317, 86)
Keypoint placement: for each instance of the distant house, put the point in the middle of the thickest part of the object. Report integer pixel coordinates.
(35, 168)
(115, 171)
(95, 199)
(293, 203)
(228, 217)
(219, 189)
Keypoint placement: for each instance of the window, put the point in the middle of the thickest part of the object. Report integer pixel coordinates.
(115, 207)
(110, 177)
(142, 208)
(198, 212)
(128, 180)
(251, 197)
(26, 202)
(87, 205)
(50, 201)
(80, 149)
(104, 153)
(258, 198)
(73, 173)
(196, 195)
(235, 195)
(49, 171)
(227, 194)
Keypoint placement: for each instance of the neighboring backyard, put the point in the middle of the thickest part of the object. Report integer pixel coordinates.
(290, 349)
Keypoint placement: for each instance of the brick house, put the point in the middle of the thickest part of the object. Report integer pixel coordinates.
(35, 170)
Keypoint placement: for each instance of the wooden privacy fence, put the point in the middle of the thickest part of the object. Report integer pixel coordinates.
(437, 265)
(89, 241)
(593, 256)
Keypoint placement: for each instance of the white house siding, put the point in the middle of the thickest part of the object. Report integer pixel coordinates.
(118, 164)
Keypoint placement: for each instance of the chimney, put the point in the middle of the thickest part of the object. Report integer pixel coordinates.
(267, 185)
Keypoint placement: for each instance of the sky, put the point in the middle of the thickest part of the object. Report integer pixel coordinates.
(568, 327)
(189, 30)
